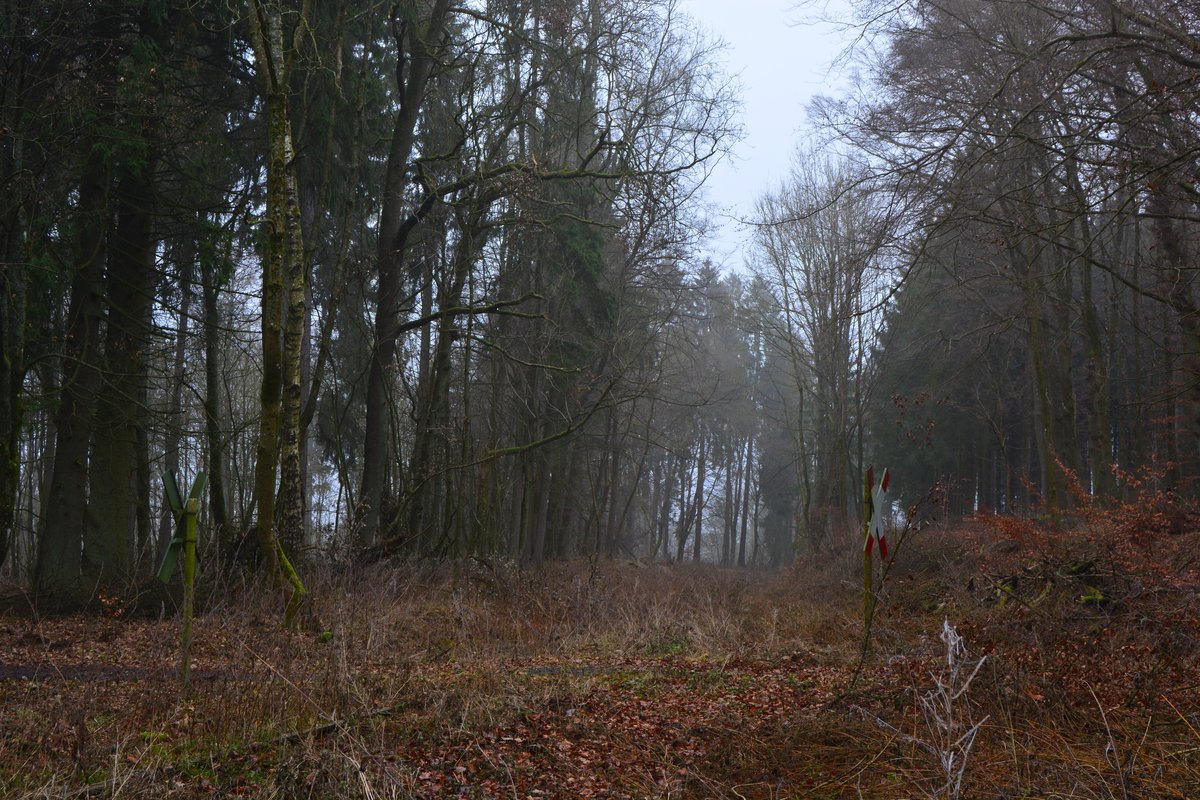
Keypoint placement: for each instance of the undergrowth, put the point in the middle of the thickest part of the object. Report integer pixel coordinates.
(1076, 653)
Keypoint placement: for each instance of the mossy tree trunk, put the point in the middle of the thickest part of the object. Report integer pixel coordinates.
(283, 281)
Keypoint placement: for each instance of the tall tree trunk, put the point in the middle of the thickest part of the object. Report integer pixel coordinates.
(1178, 278)
(60, 548)
(540, 509)
(1100, 433)
(217, 504)
(417, 42)
(747, 476)
(666, 478)
(12, 364)
(425, 475)
(175, 421)
(686, 509)
(612, 482)
(1046, 434)
(49, 447)
(283, 269)
(732, 480)
(13, 261)
(108, 549)
(701, 475)
(292, 483)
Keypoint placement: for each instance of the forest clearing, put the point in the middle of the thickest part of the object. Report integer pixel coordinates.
(644, 680)
(522, 461)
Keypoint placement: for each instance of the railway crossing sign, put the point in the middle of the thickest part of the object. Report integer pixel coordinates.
(182, 511)
(876, 510)
(183, 544)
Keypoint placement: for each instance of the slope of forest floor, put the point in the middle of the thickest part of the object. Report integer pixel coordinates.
(640, 681)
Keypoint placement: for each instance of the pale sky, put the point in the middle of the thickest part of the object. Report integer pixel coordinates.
(782, 59)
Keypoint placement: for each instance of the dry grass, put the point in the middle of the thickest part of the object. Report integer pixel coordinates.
(633, 680)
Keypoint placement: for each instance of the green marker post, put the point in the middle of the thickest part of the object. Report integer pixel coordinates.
(189, 585)
(183, 544)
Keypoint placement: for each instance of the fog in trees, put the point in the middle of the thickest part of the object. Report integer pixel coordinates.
(435, 281)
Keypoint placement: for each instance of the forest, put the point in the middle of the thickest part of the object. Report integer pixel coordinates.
(426, 291)
(430, 280)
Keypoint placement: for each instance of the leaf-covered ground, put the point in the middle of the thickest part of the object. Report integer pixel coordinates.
(640, 681)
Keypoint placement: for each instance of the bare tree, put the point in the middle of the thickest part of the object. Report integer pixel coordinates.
(819, 249)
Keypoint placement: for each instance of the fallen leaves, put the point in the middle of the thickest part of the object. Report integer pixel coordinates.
(726, 689)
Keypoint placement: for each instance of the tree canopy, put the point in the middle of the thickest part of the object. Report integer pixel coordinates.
(430, 279)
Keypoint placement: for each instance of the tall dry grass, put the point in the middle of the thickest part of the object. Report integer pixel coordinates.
(1082, 698)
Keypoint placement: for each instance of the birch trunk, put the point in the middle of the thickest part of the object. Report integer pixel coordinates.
(283, 269)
